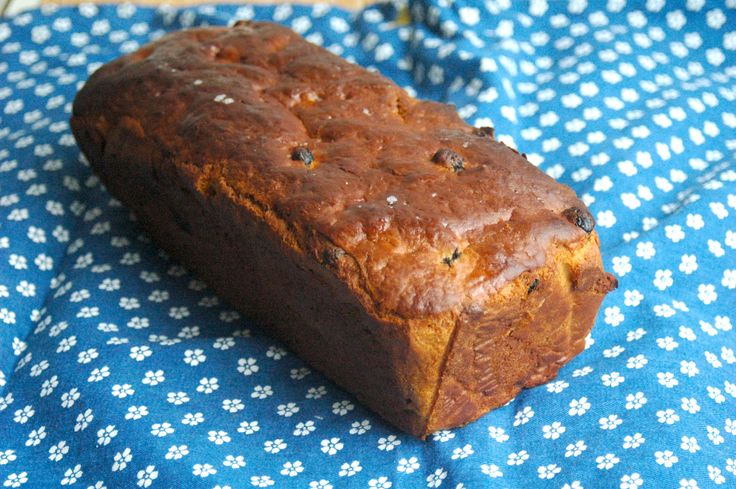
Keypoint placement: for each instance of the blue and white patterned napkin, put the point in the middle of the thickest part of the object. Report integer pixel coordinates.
(119, 369)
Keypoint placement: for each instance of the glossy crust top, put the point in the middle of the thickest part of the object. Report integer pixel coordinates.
(420, 213)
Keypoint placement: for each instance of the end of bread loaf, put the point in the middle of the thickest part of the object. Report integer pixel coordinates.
(522, 336)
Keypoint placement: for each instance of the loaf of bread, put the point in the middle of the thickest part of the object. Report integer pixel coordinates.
(423, 266)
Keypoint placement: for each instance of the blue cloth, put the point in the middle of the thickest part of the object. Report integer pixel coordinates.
(119, 369)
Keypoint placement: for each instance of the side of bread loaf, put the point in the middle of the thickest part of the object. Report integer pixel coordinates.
(426, 268)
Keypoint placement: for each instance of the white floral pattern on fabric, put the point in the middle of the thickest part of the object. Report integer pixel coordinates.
(119, 369)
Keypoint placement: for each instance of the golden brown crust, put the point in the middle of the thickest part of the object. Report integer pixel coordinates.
(385, 235)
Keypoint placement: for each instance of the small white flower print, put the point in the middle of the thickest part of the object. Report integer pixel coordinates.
(194, 357)
(223, 343)
(275, 353)
(178, 312)
(553, 431)
(7, 316)
(261, 481)
(292, 469)
(730, 425)
(153, 378)
(105, 435)
(350, 469)
(548, 471)
(177, 398)
(248, 427)
(663, 279)
(497, 434)
(667, 343)
(83, 420)
(234, 462)
(714, 435)
(610, 422)
(176, 452)
(287, 410)
(122, 390)
(557, 386)
(247, 366)
(666, 458)
(140, 353)
(72, 475)
(304, 428)
(579, 407)
(218, 437)
(689, 444)
(575, 449)
(631, 481)
(318, 393)
(15, 480)
(138, 323)
(667, 379)
(690, 405)
(7, 456)
(360, 427)
(208, 385)
(192, 419)
(388, 443)
(203, 470)
(435, 479)
(36, 436)
(637, 362)
(87, 356)
(622, 265)
(715, 474)
(462, 452)
(147, 476)
(129, 303)
(607, 461)
(23, 415)
(233, 405)
(517, 458)
(613, 379)
(380, 483)
(707, 293)
(26, 289)
(121, 460)
(56, 452)
(274, 446)
(408, 466)
(523, 416)
(635, 401)
(729, 279)
(715, 394)
(342, 408)
(110, 284)
(443, 436)
(667, 416)
(331, 446)
(161, 429)
(491, 470)
(66, 344)
(229, 316)
(633, 441)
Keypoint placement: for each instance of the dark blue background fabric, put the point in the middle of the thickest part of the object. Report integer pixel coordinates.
(120, 369)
